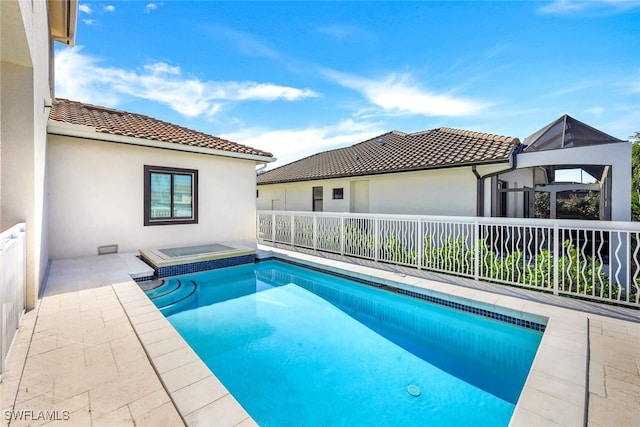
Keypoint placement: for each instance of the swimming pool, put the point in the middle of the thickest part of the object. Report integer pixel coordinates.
(295, 346)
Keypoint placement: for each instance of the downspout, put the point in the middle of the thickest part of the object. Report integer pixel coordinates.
(261, 168)
(513, 164)
(479, 194)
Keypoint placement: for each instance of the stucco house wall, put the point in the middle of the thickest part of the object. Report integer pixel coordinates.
(96, 198)
(445, 191)
(297, 196)
(616, 155)
(434, 192)
(24, 91)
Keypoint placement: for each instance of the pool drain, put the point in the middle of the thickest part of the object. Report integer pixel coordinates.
(414, 390)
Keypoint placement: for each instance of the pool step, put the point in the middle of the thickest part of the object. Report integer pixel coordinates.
(172, 292)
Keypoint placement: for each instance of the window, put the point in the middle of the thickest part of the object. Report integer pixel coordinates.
(170, 196)
(338, 194)
(317, 199)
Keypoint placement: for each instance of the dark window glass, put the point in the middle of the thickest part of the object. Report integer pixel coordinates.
(338, 193)
(170, 196)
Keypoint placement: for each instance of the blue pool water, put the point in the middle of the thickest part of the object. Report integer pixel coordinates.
(298, 347)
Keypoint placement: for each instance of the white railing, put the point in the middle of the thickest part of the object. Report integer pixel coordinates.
(12, 286)
(596, 260)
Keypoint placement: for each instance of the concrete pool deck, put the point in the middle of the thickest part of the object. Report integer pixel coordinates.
(97, 352)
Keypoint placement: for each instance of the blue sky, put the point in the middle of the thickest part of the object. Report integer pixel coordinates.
(295, 78)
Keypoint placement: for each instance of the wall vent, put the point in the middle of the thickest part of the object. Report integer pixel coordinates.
(107, 249)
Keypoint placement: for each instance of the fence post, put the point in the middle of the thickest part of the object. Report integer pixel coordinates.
(293, 230)
(419, 243)
(315, 232)
(342, 234)
(273, 227)
(556, 257)
(627, 267)
(376, 239)
(476, 249)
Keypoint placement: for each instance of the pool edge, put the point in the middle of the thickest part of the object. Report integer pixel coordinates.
(195, 391)
(554, 393)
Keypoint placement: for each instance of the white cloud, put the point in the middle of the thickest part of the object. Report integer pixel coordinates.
(85, 8)
(242, 91)
(81, 78)
(150, 7)
(161, 67)
(288, 145)
(397, 94)
(571, 6)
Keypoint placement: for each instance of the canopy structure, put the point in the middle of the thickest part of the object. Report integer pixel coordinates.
(575, 147)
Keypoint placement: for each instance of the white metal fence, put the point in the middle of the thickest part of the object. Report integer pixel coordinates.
(597, 260)
(13, 285)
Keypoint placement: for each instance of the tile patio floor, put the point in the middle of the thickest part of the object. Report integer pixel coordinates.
(96, 353)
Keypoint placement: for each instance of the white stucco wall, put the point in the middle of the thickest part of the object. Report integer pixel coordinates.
(297, 196)
(441, 192)
(24, 89)
(618, 155)
(96, 198)
(450, 191)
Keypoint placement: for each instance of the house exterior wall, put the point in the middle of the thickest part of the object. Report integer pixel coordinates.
(450, 191)
(617, 155)
(24, 89)
(96, 198)
(436, 192)
(297, 196)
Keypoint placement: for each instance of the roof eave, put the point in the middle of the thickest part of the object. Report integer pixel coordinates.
(386, 172)
(63, 20)
(87, 132)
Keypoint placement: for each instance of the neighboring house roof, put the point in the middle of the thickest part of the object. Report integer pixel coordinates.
(121, 123)
(398, 152)
(566, 132)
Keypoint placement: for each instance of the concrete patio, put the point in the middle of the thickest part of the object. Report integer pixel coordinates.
(97, 352)
(84, 357)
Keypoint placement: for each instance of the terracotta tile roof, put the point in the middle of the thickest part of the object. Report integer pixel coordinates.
(398, 152)
(116, 122)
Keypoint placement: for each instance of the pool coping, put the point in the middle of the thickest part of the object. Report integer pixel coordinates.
(555, 392)
(195, 391)
(158, 259)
